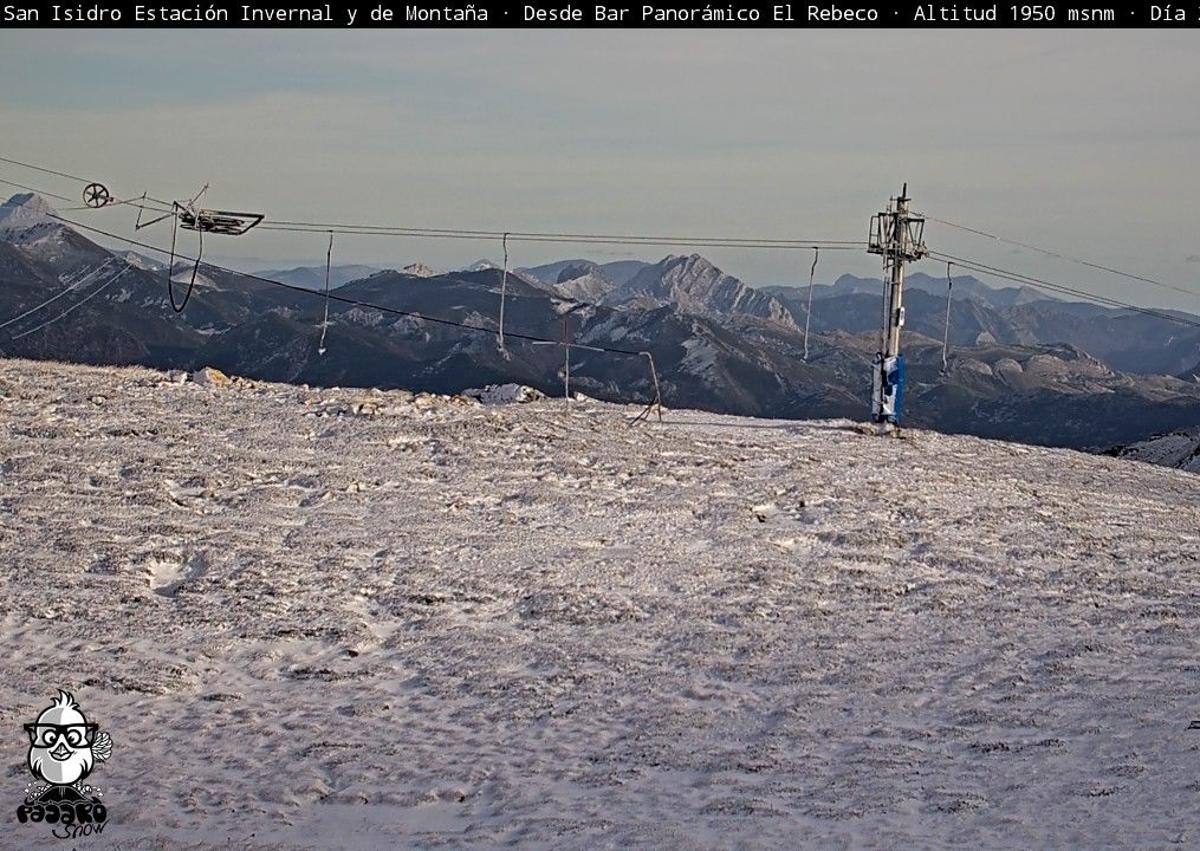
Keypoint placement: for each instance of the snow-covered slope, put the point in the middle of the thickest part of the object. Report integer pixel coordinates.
(695, 285)
(336, 618)
(24, 212)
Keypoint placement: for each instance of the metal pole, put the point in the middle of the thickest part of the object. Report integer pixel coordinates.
(567, 363)
(896, 294)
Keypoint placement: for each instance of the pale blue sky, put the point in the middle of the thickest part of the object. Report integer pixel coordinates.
(1084, 141)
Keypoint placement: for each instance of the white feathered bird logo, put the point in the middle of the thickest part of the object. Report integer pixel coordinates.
(63, 745)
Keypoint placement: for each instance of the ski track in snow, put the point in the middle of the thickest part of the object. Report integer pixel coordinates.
(349, 619)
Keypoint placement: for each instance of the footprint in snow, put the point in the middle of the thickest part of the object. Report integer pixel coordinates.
(167, 577)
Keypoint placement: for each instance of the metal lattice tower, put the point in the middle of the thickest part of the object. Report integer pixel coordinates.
(898, 236)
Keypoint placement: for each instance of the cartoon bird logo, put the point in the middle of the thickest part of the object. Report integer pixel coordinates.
(63, 745)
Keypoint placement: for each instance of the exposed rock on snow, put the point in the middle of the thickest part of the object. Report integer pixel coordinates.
(211, 377)
(418, 270)
(474, 626)
(504, 394)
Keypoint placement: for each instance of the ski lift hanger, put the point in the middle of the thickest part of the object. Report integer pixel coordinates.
(187, 215)
(224, 222)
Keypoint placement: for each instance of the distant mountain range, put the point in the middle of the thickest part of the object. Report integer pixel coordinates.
(1021, 366)
(1122, 339)
(313, 277)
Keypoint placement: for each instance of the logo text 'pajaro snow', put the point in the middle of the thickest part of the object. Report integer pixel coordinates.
(64, 747)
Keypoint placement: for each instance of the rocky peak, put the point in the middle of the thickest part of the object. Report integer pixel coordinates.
(697, 286)
(418, 270)
(577, 270)
(584, 281)
(23, 212)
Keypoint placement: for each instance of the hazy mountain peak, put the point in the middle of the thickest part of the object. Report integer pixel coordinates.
(585, 281)
(23, 211)
(696, 285)
(418, 270)
(576, 269)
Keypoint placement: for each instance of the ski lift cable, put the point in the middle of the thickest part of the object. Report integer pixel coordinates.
(1041, 284)
(75, 306)
(1063, 256)
(346, 300)
(280, 224)
(140, 201)
(655, 404)
(53, 195)
(548, 236)
(597, 239)
(1050, 286)
(83, 279)
(65, 175)
(45, 170)
(981, 268)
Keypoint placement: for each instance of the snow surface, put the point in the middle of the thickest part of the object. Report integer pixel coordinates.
(351, 619)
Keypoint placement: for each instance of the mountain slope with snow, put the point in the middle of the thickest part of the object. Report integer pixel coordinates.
(343, 618)
(1179, 449)
(697, 286)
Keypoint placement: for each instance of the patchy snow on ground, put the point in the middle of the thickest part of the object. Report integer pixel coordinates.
(351, 619)
(505, 394)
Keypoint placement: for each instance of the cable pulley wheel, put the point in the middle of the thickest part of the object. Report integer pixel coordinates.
(96, 195)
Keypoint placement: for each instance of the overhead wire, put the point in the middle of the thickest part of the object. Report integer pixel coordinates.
(463, 233)
(632, 240)
(76, 305)
(333, 296)
(299, 226)
(654, 405)
(82, 280)
(53, 195)
(1042, 284)
(1064, 256)
(577, 239)
(66, 175)
(45, 170)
